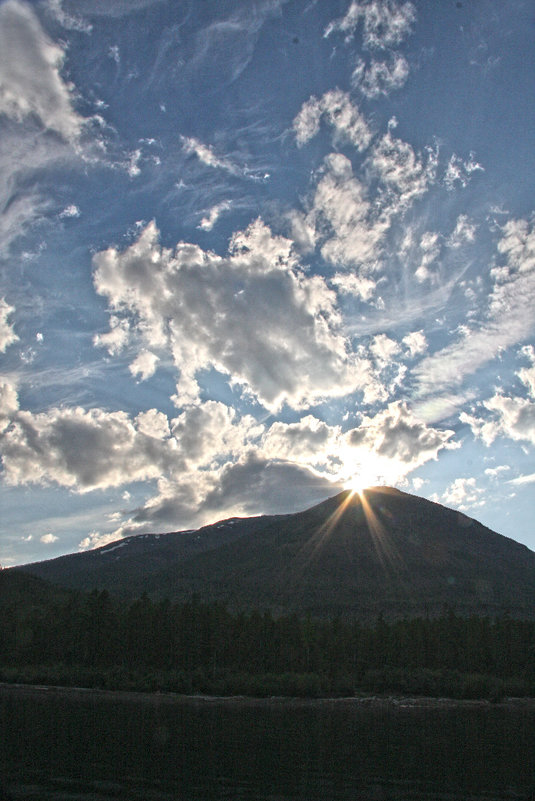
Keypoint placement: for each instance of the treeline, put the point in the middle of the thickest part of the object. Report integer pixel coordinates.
(196, 647)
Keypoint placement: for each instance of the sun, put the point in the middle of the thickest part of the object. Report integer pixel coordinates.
(356, 484)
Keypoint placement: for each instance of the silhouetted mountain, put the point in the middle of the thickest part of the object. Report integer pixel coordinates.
(385, 551)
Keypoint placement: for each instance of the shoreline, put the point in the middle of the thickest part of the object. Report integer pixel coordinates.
(391, 701)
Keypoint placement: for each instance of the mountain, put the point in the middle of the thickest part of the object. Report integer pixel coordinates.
(354, 555)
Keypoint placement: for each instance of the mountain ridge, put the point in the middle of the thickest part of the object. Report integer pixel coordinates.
(354, 555)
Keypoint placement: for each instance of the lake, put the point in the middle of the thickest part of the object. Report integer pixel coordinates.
(77, 745)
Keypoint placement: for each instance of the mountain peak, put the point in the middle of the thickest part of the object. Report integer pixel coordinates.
(355, 554)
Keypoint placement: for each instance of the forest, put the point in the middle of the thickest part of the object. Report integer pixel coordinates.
(96, 641)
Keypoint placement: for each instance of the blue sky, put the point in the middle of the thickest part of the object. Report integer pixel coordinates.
(253, 252)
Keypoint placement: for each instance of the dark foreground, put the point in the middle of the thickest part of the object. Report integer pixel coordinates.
(92, 745)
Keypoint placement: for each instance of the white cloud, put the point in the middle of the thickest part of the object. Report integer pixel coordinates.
(23, 153)
(458, 172)
(82, 450)
(341, 114)
(464, 232)
(303, 231)
(212, 432)
(132, 167)
(208, 460)
(495, 472)
(253, 315)
(401, 171)
(380, 77)
(393, 443)
(356, 285)
(207, 156)
(429, 252)
(69, 21)
(310, 441)
(418, 483)
(48, 539)
(31, 83)
(511, 417)
(527, 374)
(385, 22)
(384, 349)
(463, 493)
(208, 222)
(415, 342)
(528, 479)
(70, 211)
(96, 540)
(116, 338)
(9, 403)
(7, 334)
(144, 365)
(353, 232)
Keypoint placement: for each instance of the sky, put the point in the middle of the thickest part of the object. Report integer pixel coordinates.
(254, 252)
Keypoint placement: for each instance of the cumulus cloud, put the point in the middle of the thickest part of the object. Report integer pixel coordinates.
(380, 77)
(116, 338)
(48, 539)
(463, 493)
(82, 450)
(212, 432)
(253, 315)
(357, 285)
(511, 417)
(144, 365)
(96, 540)
(309, 441)
(339, 112)
(415, 342)
(383, 349)
(31, 83)
(385, 23)
(7, 334)
(394, 442)
(510, 317)
(208, 460)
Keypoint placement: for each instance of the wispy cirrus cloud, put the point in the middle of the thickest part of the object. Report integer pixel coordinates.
(509, 318)
(31, 83)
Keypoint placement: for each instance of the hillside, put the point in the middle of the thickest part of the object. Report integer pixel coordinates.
(385, 552)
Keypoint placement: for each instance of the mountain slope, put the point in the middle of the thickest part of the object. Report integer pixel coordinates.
(385, 551)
